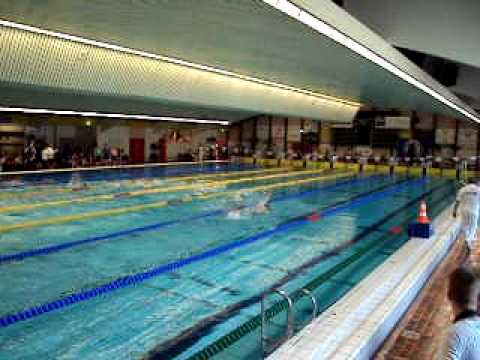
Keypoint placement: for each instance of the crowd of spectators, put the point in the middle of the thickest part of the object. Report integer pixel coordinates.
(39, 155)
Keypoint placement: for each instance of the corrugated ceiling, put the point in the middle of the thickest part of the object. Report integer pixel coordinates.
(248, 37)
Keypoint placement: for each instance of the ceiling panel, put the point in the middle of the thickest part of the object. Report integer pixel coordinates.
(248, 37)
(54, 98)
(444, 28)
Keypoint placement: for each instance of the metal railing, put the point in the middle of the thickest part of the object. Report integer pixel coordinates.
(228, 340)
(269, 344)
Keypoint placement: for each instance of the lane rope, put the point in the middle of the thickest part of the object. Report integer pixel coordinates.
(157, 189)
(157, 226)
(156, 205)
(27, 194)
(130, 280)
(247, 327)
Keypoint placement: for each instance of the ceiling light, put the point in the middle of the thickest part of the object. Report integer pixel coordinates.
(328, 30)
(115, 116)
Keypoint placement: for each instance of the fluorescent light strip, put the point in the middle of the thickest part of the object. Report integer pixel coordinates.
(168, 59)
(114, 116)
(292, 10)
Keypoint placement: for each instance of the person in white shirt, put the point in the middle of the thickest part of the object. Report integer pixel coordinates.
(48, 156)
(463, 341)
(201, 154)
(467, 205)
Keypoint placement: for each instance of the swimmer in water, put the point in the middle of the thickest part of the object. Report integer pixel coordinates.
(240, 196)
(200, 192)
(122, 195)
(234, 214)
(83, 186)
(263, 206)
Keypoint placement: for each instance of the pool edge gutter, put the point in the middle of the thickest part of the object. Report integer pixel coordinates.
(357, 325)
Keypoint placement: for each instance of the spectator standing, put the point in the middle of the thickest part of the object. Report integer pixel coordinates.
(201, 153)
(463, 342)
(30, 155)
(467, 205)
(48, 156)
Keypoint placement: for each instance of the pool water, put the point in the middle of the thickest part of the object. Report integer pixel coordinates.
(153, 263)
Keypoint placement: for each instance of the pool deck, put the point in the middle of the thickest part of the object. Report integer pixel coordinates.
(422, 330)
(357, 326)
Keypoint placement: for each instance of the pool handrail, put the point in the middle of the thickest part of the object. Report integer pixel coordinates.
(253, 323)
(290, 321)
(309, 293)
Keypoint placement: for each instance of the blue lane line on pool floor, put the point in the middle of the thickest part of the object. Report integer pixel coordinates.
(19, 256)
(176, 265)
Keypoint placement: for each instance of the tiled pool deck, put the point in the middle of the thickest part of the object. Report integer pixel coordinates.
(422, 331)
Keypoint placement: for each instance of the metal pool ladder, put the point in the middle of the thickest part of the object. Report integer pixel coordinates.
(313, 300)
(269, 343)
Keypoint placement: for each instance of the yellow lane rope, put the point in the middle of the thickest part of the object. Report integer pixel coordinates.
(275, 186)
(185, 199)
(153, 190)
(50, 189)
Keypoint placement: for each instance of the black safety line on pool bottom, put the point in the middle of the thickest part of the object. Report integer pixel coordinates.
(255, 322)
(175, 346)
(138, 278)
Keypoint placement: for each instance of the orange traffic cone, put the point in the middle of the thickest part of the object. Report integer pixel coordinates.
(422, 216)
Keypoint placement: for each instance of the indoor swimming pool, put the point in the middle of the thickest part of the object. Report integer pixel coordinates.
(170, 263)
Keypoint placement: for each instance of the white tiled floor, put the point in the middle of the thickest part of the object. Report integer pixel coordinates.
(356, 325)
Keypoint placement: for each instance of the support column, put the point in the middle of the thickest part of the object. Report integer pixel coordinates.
(55, 135)
(459, 165)
(269, 141)
(457, 124)
(285, 136)
(302, 137)
(240, 133)
(319, 134)
(477, 160)
(227, 140)
(254, 136)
